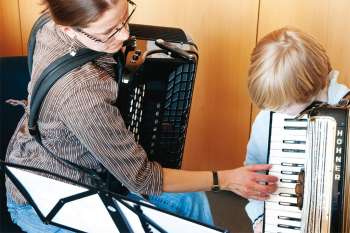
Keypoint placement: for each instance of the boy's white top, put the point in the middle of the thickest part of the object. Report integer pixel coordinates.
(258, 143)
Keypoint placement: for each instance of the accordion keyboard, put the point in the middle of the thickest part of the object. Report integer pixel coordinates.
(287, 154)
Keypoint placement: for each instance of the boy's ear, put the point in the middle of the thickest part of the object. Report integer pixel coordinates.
(68, 30)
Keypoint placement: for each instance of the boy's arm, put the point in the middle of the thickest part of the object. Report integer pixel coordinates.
(255, 211)
(257, 154)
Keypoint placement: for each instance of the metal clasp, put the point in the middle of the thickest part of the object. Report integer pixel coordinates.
(343, 103)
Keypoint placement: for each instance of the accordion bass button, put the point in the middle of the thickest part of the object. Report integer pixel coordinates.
(135, 57)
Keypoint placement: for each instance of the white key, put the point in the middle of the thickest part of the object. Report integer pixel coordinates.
(285, 190)
(274, 217)
(281, 221)
(280, 138)
(282, 131)
(285, 161)
(282, 199)
(280, 117)
(288, 122)
(281, 145)
(283, 180)
(280, 153)
(274, 228)
(275, 206)
(278, 120)
(279, 168)
(276, 213)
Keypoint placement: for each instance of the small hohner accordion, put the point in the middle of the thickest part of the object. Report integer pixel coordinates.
(155, 91)
(310, 158)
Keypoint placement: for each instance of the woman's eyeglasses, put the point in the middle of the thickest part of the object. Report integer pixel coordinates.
(116, 31)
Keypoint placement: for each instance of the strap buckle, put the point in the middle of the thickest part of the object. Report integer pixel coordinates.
(34, 131)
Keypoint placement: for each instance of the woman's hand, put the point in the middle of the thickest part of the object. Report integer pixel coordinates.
(259, 227)
(244, 181)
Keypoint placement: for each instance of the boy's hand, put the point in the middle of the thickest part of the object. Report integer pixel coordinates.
(259, 227)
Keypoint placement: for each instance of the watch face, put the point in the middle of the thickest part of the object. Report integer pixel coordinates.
(215, 188)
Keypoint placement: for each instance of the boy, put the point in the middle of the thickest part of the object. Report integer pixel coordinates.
(289, 69)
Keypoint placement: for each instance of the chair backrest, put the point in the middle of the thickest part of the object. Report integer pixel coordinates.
(14, 78)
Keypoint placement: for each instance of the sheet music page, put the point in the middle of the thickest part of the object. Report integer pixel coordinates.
(132, 218)
(173, 224)
(89, 214)
(86, 214)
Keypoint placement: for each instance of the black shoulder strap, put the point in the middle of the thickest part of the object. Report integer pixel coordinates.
(50, 75)
(32, 38)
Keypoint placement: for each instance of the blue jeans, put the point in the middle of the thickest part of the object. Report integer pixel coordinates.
(192, 205)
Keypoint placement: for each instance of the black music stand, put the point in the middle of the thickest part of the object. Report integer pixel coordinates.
(86, 208)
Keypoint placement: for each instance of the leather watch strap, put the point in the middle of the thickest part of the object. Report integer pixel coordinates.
(215, 187)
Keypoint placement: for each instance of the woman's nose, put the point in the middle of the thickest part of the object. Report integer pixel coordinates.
(123, 34)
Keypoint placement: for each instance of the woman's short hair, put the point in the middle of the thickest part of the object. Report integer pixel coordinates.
(77, 13)
(287, 66)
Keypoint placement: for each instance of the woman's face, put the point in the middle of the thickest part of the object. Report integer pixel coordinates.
(105, 27)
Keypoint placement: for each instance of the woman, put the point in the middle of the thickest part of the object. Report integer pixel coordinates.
(78, 122)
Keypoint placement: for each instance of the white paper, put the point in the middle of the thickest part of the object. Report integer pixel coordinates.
(89, 214)
(174, 224)
(86, 214)
(131, 217)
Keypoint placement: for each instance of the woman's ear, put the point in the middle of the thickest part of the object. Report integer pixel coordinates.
(68, 30)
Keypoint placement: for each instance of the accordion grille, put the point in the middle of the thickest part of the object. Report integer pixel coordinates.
(158, 117)
(316, 214)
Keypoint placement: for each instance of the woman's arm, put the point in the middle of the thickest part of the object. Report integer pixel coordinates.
(243, 181)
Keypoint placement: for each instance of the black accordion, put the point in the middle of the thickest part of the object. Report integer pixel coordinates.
(156, 89)
(310, 158)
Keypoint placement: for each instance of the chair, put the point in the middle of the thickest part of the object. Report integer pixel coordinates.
(14, 77)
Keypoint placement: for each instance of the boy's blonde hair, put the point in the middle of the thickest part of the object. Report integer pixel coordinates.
(287, 66)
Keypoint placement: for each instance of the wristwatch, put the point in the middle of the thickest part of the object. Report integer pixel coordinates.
(215, 188)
